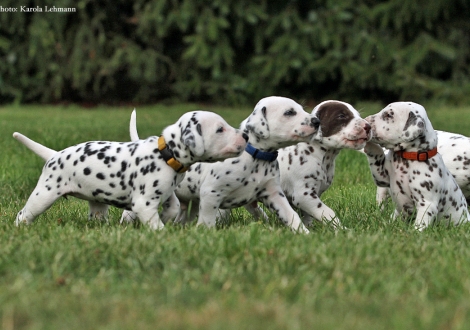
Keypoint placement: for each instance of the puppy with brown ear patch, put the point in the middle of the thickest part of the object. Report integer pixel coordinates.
(307, 169)
(421, 186)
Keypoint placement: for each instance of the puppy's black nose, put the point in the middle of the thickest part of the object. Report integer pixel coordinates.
(315, 122)
(367, 128)
(245, 137)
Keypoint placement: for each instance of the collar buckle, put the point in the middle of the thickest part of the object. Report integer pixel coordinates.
(420, 156)
(169, 158)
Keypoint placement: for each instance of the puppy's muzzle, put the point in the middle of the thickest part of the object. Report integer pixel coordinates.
(315, 122)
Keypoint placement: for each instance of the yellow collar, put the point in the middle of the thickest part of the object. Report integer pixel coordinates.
(169, 158)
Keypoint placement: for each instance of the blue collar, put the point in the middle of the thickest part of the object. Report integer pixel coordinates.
(258, 154)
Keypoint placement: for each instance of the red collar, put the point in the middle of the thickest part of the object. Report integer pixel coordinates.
(420, 156)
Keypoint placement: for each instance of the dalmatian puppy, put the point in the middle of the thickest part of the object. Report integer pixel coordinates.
(314, 162)
(307, 169)
(136, 176)
(421, 185)
(455, 152)
(97, 210)
(253, 176)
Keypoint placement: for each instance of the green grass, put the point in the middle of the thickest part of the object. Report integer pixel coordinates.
(64, 272)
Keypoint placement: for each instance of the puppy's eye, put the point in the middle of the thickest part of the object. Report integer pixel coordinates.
(341, 116)
(220, 130)
(290, 113)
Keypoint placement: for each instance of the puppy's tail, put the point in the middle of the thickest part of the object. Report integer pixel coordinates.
(40, 150)
(133, 127)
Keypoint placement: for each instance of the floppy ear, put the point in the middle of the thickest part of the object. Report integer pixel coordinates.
(243, 126)
(191, 136)
(257, 123)
(414, 127)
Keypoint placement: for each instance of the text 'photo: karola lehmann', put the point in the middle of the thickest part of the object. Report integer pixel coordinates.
(37, 9)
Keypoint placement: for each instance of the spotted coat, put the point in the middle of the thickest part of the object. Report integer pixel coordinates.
(129, 175)
(455, 152)
(421, 190)
(307, 169)
(275, 122)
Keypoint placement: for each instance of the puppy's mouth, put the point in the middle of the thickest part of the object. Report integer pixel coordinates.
(358, 141)
(234, 152)
(305, 136)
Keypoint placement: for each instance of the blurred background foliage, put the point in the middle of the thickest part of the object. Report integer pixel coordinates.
(236, 51)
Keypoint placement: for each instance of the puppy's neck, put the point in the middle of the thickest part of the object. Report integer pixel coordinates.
(324, 152)
(266, 145)
(423, 143)
(180, 151)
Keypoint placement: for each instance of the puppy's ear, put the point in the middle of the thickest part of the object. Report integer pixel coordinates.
(191, 136)
(414, 127)
(257, 123)
(243, 126)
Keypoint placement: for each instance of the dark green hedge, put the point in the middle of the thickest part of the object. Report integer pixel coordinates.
(235, 50)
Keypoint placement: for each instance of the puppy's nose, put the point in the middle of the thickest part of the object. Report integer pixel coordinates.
(367, 128)
(245, 136)
(315, 122)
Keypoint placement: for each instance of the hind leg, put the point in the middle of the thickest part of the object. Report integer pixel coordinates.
(98, 211)
(128, 217)
(187, 213)
(147, 212)
(256, 211)
(40, 200)
(170, 209)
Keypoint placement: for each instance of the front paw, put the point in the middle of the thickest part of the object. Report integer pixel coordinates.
(373, 149)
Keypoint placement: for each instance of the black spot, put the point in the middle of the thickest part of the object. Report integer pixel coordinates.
(97, 192)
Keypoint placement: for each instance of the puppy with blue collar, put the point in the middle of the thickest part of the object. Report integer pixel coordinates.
(276, 122)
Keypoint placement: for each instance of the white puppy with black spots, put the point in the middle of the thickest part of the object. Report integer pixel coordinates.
(421, 185)
(307, 169)
(455, 151)
(137, 176)
(276, 122)
(253, 176)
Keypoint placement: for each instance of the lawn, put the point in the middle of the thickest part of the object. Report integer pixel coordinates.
(65, 272)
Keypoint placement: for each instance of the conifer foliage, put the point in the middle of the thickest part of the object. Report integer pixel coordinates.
(235, 51)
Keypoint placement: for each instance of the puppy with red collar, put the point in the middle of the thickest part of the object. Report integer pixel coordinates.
(420, 184)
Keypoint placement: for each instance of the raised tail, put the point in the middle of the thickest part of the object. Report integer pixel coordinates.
(40, 150)
(133, 127)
